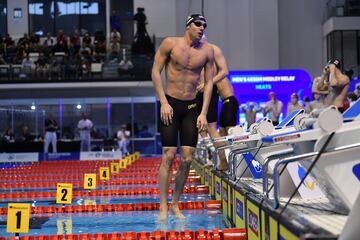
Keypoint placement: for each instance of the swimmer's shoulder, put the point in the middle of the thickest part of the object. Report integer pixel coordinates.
(168, 44)
(171, 40)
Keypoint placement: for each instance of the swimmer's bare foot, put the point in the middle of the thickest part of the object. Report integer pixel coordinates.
(163, 214)
(222, 167)
(175, 209)
(208, 164)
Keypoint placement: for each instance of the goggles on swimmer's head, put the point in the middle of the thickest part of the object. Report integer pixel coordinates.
(196, 19)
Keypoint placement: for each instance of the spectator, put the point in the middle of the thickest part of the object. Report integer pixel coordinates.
(141, 21)
(99, 51)
(115, 34)
(250, 113)
(61, 42)
(123, 139)
(293, 104)
(34, 40)
(86, 41)
(48, 45)
(85, 67)
(25, 40)
(115, 43)
(9, 135)
(2, 59)
(85, 125)
(50, 133)
(75, 43)
(115, 21)
(100, 38)
(125, 64)
(25, 135)
(8, 41)
(71, 66)
(55, 67)
(41, 66)
(49, 41)
(28, 66)
(273, 108)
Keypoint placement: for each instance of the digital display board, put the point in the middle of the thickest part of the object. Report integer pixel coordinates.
(254, 86)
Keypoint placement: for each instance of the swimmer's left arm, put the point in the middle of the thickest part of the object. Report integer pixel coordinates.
(334, 81)
(208, 86)
(337, 81)
(222, 68)
(208, 81)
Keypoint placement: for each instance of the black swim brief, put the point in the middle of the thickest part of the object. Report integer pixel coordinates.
(229, 112)
(183, 122)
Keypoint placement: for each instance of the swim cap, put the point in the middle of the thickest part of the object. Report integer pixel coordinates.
(336, 62)
(194, 17)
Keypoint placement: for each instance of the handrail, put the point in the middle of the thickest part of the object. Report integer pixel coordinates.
(297, 158)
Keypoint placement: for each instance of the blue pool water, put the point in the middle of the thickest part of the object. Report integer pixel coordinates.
(77, 223)
(110, 200)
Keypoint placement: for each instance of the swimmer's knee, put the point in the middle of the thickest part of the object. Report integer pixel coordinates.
(186, 159)
(169, 154)
(185, 164)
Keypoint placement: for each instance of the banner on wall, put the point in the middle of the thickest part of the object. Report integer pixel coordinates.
(59, 156)
(19, 157)
(100, 155)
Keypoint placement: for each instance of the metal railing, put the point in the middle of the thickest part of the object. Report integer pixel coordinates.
(342, 8)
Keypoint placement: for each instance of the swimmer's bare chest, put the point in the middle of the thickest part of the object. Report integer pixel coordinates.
(183, 71)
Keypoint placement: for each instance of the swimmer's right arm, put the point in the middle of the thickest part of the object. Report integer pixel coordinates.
(322, 82)
(319, 86)
(220, 61)
(162, 54)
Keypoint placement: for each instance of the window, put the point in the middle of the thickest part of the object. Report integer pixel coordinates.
(3, 18)
(36, 8)
(68, 15)
(345, 45)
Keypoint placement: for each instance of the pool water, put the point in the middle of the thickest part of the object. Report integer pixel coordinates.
(108, 200)
(78, 223)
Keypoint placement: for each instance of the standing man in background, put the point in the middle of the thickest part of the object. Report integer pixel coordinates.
(274, 108)
(123, 136)
(293, 104)
(250, 113)
(115, 21)
(85, 125)
(50, 133)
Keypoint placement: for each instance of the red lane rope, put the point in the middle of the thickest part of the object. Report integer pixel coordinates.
(106, 192)
(80, 183)
(201, 234)
(210, 205)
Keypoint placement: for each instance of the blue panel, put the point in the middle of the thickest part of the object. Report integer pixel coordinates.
(353, 111)
(356, 171)
(254, 166)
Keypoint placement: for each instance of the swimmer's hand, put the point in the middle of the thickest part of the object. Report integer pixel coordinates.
(326, 70)
(201, 122)
(166, 113)
(200, 87)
